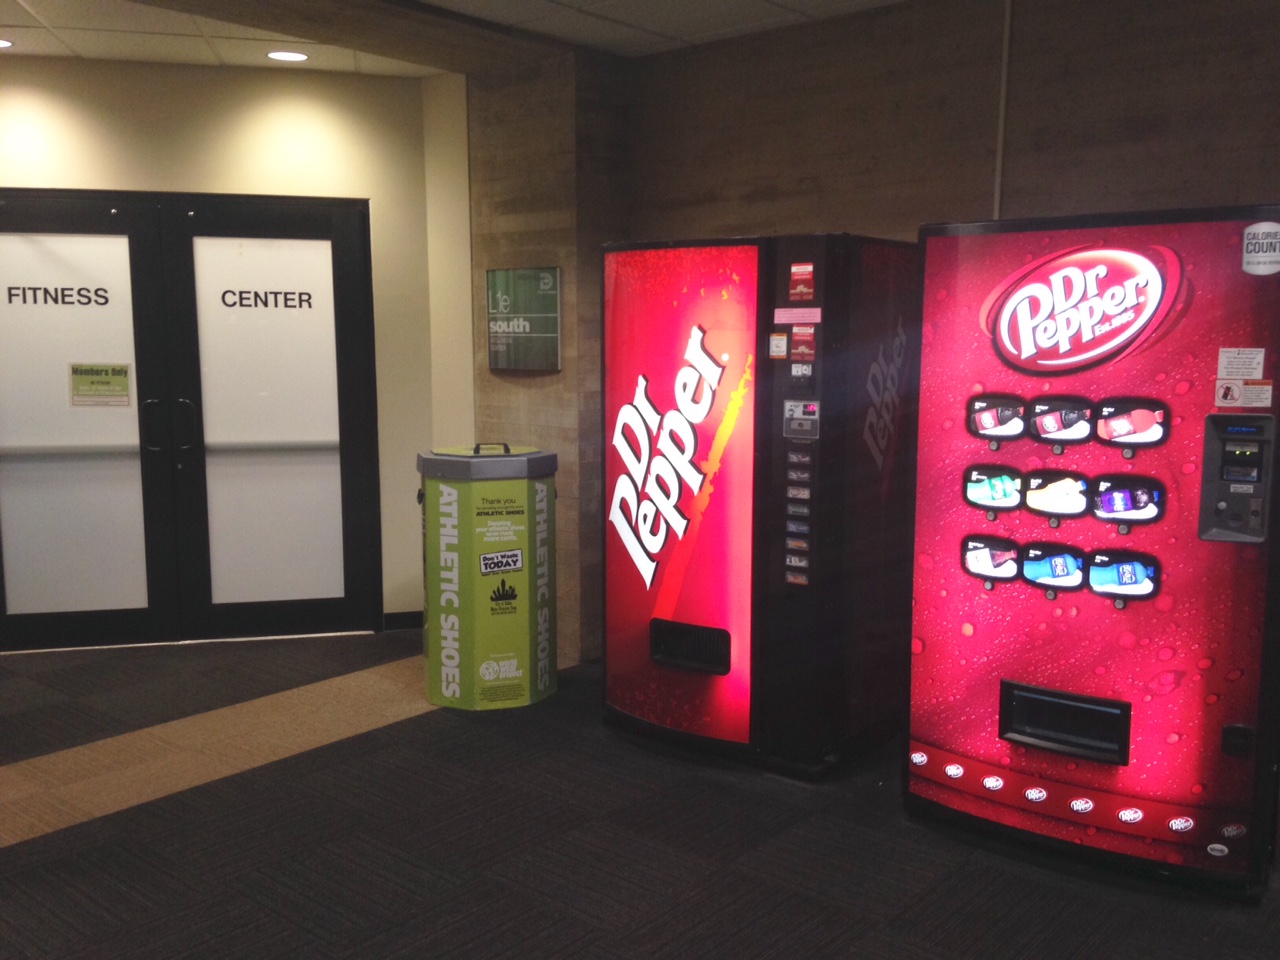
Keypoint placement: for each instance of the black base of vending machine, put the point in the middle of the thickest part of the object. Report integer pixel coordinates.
(759, 453)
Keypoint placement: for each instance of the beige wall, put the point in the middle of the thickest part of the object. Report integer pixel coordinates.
(124, 126)
(449, 259)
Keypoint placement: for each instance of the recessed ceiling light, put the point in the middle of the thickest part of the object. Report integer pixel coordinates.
(288, 55)
(6, 43)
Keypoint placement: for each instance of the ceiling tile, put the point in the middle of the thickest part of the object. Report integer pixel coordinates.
(216, 28)
(831, 8)
(679, 18)
(596, 32)
(149, 48)
(509, 12)
(14, 15)
(253, 53)
(382, 66)
(111, 15)
(35, 42)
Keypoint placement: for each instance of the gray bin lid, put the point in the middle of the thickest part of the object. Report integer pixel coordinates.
(486, 461)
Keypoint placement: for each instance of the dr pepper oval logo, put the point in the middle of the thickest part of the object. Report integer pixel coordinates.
(1080, 307)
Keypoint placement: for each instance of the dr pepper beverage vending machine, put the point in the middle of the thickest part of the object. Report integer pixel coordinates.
(759, 400)
(1094, 621)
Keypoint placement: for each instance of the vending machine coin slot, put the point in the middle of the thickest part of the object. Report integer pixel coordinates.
(1235, 488)
(1091, 728)
(800, 419)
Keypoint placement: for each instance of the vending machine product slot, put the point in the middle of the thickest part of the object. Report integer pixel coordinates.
(689, 646)
(1236, 483)
(1237, 740)
(1091, 728)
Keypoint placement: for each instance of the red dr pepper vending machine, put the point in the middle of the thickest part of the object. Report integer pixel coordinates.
(1094, 624)
(759, 399)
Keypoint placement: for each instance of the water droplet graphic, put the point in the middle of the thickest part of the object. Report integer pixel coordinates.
(1127, 640)
(966, 629)
(1204, 663)
(1197, 788)
(1173, 738)
(1211, 698)
(1166, 653)
(917, 645)
(1182, 388)
(1233, 675)
(1100, 670)
(1189, 468)
(1165, 682)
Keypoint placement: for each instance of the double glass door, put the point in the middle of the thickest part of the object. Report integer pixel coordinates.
(187, 418)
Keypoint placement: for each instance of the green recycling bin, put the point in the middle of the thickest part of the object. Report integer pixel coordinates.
(489, 571)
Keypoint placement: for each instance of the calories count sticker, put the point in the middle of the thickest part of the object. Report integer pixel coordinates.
(1260, 253)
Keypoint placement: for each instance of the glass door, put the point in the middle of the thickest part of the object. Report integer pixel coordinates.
(187, 419)
(277, 464)
(82, 510)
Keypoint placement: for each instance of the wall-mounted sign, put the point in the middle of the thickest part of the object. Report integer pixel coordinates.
(100, 384)
(524, 319)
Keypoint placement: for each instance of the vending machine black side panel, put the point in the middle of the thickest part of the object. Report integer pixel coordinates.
(800, 709)
(836, 528)
(884, 384)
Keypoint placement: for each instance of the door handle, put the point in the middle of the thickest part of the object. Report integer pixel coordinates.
(154, 426)
(184, 424)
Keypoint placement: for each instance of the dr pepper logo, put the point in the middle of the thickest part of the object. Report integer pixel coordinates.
(1080, 307)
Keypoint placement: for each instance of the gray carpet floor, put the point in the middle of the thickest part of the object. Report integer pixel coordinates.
(540, 832)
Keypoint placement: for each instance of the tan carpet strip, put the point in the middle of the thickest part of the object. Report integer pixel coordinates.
(55, 791)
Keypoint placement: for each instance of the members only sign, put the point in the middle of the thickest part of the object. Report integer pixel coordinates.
(524, 319)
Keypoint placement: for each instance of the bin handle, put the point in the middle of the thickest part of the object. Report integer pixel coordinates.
(505, 448)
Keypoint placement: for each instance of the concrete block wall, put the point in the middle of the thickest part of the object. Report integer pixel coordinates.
(875, 124)
(546, 148)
